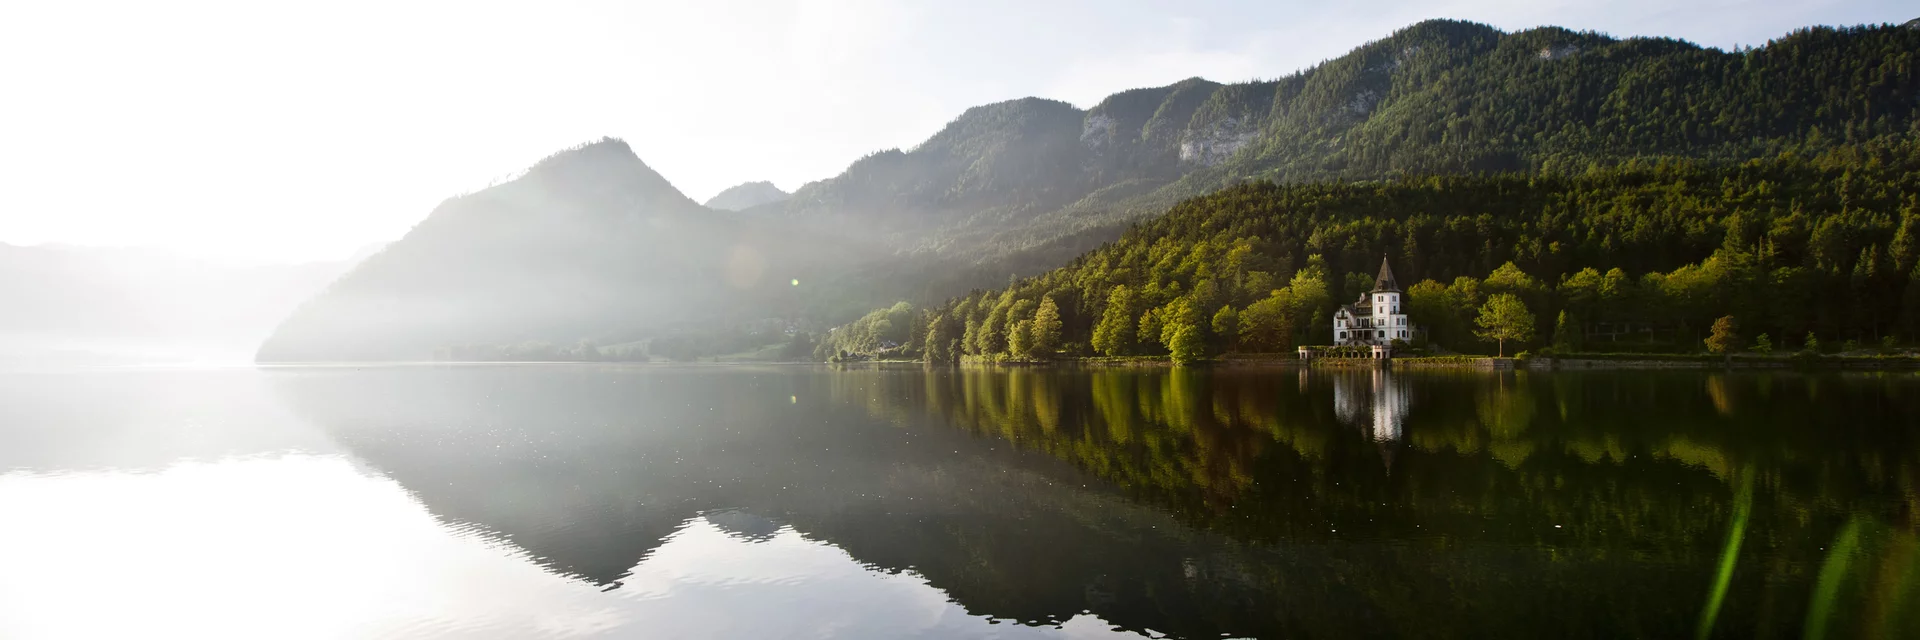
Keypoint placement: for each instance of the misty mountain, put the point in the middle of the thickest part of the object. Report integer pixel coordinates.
(586, 237)
(100, 305)
(741, 197)
(588, 244)
(592, 244)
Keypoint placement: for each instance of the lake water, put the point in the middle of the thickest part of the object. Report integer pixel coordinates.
(808, 502)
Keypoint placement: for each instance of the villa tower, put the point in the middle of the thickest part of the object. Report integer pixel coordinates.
(1378, 317)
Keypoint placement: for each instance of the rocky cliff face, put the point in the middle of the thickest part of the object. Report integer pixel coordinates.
(1217, 141)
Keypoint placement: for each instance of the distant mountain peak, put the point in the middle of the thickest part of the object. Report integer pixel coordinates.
(605, 152)
(746, 195)
(584, 241)
(596, 166)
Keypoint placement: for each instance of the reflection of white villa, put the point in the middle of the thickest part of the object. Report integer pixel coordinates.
(1389, 407)
(1380, 404)
(1349, 399)
(1377, 318)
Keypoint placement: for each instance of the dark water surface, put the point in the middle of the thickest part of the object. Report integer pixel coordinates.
(807, 502)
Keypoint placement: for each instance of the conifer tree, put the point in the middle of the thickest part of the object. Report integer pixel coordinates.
(1113, 336)
(1566, 334)
(1044, 334)
(1020, 339)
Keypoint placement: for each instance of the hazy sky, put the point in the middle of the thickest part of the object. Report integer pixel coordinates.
(299, 130)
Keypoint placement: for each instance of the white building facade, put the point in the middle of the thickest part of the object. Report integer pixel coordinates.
(1378, 317)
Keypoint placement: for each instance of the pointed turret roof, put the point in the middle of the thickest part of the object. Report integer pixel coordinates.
(1385, 281)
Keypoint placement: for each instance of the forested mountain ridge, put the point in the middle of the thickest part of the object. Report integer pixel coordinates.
(1020, 186)
(746, 195)
(1437, 97)
(1643, 256)
(592, 245)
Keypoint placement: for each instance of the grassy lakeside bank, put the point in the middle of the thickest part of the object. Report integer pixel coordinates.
(1736, 361)
(1560, 361)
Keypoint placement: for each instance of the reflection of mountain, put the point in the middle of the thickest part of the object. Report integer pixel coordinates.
(1205, 503)
(742, 525)
(589, 470)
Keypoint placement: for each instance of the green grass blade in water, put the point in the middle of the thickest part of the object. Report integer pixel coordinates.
(1832, 572)
(1736, 531)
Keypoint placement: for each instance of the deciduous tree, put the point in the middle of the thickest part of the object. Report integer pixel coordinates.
(1504, 317)
(1726, 336)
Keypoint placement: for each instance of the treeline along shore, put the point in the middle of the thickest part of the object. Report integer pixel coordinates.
(1795, 254)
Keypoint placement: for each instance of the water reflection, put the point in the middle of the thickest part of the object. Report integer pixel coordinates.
(1373, 399)
(461, 520)
(592, 470)
(1611, 492)
(901, 502)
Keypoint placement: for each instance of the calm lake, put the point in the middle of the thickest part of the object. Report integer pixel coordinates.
(807, 502)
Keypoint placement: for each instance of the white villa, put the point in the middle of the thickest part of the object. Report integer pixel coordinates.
(1377, 318)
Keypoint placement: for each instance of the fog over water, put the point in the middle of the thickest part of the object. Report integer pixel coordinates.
(70, 305)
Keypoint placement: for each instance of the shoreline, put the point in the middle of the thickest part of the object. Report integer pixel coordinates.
(1463, 362)
(1584, 362)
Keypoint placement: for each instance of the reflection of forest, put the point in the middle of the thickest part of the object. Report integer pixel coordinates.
(1609, 474)
(1242, 502)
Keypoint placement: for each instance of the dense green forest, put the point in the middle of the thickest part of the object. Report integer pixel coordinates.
(1439, 98)
(1004, 190)
(1802, 247)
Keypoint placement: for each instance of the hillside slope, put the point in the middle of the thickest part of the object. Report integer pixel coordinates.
(1640, 257)
(1021, 186)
